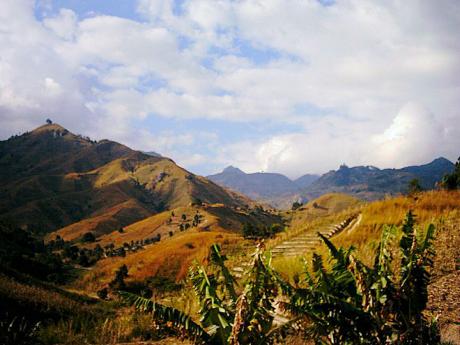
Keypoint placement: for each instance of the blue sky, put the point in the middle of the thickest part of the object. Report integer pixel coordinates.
(290, 86)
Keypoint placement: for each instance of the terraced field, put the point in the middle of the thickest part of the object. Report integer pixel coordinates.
(303, 243)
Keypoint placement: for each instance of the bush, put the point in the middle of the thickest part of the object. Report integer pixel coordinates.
(88, 237)
(102, 293)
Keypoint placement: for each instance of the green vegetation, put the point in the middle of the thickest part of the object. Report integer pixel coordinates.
(414, 186)
(452, 181)
(296, 205)
(260, 231)
(358, 304)
(226, 317)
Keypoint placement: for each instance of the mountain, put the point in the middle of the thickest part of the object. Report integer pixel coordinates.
(274, 189)
(153, 154)
(306, 180)
(370, 183)
(51, 178)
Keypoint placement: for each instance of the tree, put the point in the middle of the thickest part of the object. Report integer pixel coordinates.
(414, 186)
(452, 181)
(102, 293)
(296, 205)
(88, 237)
(118, 282)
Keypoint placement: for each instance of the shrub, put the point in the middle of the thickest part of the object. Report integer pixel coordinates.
(88, 237)
(102, 293)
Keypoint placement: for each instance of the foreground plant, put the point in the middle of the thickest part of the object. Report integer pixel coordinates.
(358, 304)
(226, 317)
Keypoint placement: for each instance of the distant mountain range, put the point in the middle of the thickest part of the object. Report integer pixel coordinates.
(365, 182)
(274, 189)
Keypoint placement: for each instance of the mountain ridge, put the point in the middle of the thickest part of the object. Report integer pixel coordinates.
(272, 188)
(365, 182)
(51, 178)
(371, 183)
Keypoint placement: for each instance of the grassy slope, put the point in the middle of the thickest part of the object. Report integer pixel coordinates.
(169, 258)
(438, 207)
(51, 179)
(428, 207)
(326, 210)
(173, 255)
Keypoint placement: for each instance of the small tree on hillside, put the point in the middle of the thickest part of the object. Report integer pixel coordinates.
(414, 186)
(296, 205)
(118, 282)
(452, 181)
(88, 237)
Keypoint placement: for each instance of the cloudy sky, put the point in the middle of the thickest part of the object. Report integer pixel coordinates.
(290, 86)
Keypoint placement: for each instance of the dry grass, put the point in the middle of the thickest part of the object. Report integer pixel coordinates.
(126, 212)
(330, 209)
(428, 207)
(169, 258)
(437, 207)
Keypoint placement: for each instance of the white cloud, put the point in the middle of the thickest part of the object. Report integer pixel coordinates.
(356, 65)
(414, 136)
(64, 25)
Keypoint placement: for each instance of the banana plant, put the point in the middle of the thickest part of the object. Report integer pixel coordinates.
(225, 316)
(353, 303)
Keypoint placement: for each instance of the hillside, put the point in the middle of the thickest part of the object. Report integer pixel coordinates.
(274, 189)
(305, 180)
(371, 183)
(51, 178)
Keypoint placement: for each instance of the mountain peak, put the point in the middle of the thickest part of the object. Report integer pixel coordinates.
(49, 127)
(441, 160)
(232, 169)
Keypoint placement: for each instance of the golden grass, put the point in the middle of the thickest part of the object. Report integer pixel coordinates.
(106, 222)
(437, 207)
(169, 258)
(330, 209)
(428, 207)
(213, 218)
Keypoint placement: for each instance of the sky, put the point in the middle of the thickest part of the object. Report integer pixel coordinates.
(288, 86)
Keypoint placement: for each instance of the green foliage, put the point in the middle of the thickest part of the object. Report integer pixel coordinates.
(296, 205)
(225, 317)
(102, 293)
(356, 304)
(19, 249)
(452, 181)
(118, 283)
(260, 231)
(88, 237)
(414, 186)
(350, 303)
